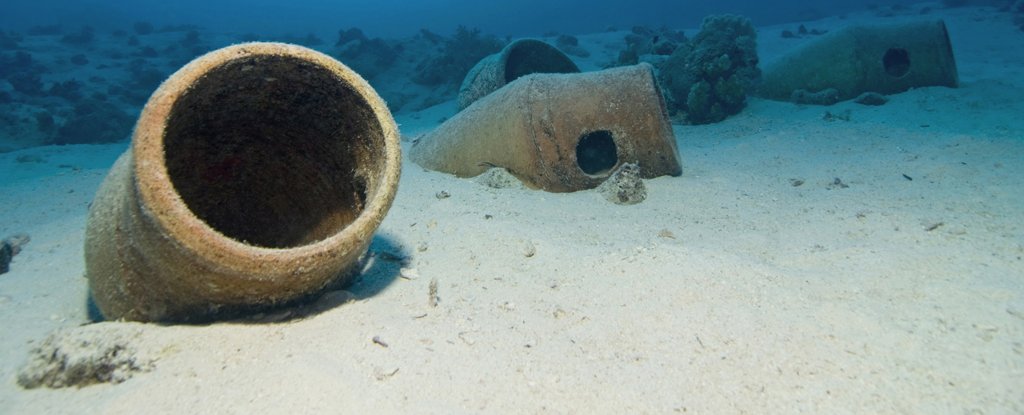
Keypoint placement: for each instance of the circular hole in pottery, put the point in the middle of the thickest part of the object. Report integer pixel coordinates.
(596, 153)
(896, 62)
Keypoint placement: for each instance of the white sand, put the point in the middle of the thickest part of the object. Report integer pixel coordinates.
(727, 291)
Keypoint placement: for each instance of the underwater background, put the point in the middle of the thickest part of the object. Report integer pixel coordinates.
(787, 241)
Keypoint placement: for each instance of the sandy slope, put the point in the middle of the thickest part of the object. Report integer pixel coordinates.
(729, 290)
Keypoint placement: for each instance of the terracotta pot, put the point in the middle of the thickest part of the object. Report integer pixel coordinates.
(257, 175)
(559, 132)
(886, 59)
(519, 58)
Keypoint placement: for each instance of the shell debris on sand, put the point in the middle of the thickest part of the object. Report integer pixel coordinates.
(624, 186)
(86, 355)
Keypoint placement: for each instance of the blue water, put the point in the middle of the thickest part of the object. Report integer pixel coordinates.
(80, 71)
(405, 17)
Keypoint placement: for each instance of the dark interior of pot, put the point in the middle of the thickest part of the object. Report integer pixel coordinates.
(273, 151)
(533, 56)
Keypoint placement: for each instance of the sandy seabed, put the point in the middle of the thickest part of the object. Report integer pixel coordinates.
(866, 263)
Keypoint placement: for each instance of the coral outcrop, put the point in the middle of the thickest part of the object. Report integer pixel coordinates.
(643, 41)
(368, 57)
(458, 55)
(708, 78)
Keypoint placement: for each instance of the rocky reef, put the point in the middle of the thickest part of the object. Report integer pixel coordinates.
(707, 79)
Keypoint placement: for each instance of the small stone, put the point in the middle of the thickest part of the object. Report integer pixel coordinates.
(837, 183)
(871, 98)
(840, 116)
(529, 250)
(409, 273)
(624, 186)
(442, 194)
(827, 96)
(499, 178)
